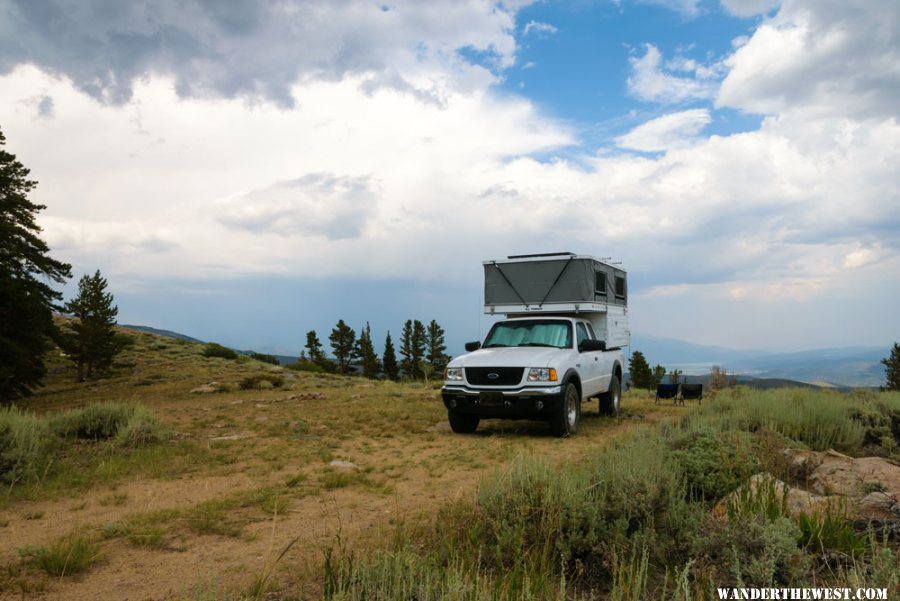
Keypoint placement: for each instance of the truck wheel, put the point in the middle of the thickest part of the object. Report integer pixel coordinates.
(564, 421)
(609, 401)
(462, 423)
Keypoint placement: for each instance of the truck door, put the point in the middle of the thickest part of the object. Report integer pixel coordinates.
(590, 361)
(604, 366)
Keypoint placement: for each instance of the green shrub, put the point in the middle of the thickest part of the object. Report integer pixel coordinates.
(97, 421)
(306, 366)
(830, 532)
(272, 359)
(262, 381)
(69, 555)
(406, 573)
(763, 497)
(214, 349)
(756, 551)
(129, 425)
(880, 423)
(142, 428)
(25, 446)
(818, 419)
(536, 514)
(714, 462)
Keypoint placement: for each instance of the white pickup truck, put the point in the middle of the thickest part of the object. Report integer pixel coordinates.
(551, 353)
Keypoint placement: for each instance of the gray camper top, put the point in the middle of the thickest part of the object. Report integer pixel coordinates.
(555, 282)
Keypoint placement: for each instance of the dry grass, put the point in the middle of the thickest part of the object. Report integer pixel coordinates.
(240, 460)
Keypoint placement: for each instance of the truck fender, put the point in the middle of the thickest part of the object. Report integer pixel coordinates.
(571, 376)
(617, 370)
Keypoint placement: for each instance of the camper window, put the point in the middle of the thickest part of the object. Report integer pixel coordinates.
(600, 283)
(620, 287)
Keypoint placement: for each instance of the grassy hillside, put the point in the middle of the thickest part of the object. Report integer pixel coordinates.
(134, 482)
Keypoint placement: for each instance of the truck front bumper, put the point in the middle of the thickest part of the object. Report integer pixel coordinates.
(520, 403)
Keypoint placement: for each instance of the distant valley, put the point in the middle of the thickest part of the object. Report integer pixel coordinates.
(841, 367)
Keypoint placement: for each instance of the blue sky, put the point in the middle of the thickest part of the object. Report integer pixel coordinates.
(245, 171)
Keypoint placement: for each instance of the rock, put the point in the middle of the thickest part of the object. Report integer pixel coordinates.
(800, 501)
(876, 505)
(344, 464)
(796, 500)
(836, 475)
(440, 427)
(801, 463)
(880, 472)
(833, 473)
(306, 396)
(205, 389)
(867, 488)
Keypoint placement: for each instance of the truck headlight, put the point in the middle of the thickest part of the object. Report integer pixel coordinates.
(542, 374)
(453, 373)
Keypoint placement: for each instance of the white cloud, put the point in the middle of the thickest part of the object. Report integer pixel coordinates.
(832, 57)
(317, 204)
(539, 29)
(255, 49)
(648, 81)
(675, 130)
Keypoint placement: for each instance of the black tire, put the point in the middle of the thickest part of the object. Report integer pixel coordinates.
(462, 423)
(565, 420)
(611, 399)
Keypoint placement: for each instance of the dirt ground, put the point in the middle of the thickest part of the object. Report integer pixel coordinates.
(248, 474)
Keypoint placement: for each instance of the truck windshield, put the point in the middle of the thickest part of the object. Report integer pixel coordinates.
(536, 332)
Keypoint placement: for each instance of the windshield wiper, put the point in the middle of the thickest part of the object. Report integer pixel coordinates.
(493, 345)
(539, 344)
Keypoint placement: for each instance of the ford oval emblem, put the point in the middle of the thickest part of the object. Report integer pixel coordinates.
(493, 376)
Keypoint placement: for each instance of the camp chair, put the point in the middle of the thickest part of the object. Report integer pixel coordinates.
(692, 391)
(666, 391)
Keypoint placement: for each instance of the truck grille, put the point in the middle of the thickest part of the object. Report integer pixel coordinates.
(505, 376)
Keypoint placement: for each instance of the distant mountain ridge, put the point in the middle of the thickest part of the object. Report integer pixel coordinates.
(282, 359)
(158, 332)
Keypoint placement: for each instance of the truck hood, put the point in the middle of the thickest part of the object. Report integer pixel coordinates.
(515, 356)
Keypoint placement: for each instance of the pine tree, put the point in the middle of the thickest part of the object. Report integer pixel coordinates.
(659, 372)
(436, 347)
(343, 343)
(365, 350)
(892, 369)
(639, 370)
(675, 376)
(418, 346)
(91, 341)
(389, 359)
(718, 378)
(407, 367)
(26, 270)
(314, 348)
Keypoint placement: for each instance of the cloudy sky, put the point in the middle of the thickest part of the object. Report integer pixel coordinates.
(244, 171)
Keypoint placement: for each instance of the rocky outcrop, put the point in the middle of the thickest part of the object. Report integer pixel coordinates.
(866, 488)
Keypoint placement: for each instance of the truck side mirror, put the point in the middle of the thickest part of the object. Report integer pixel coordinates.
(588, 345)
(473, 346)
